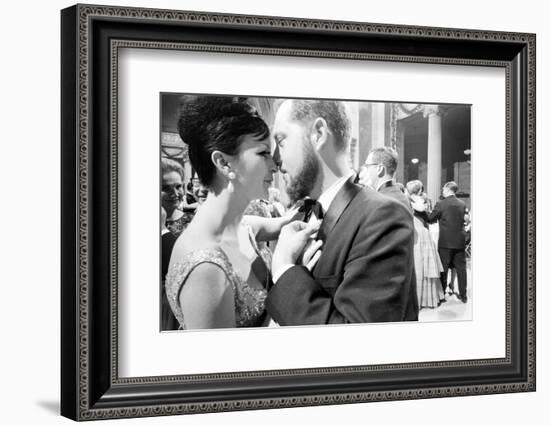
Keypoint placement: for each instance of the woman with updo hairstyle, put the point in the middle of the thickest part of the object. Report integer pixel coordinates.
(217, 277)
(427, 263)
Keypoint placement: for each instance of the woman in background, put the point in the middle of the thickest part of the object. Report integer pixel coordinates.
(277, 208)
(172, 193)
(427, 264)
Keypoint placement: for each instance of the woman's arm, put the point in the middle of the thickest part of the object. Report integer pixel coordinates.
(207, 299)
(268, 229)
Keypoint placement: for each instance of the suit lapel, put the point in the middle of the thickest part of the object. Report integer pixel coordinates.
(348, 191)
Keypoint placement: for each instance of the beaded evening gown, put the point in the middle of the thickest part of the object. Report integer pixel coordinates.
(427, 267)
(249, 302)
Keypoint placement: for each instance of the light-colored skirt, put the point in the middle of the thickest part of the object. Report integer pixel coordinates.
(428, 267)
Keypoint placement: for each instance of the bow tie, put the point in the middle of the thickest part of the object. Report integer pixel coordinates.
(309, 206)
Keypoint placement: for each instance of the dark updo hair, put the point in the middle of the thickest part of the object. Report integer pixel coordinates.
(216, 123)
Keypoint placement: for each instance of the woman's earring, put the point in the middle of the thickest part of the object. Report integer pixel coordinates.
(230, 175)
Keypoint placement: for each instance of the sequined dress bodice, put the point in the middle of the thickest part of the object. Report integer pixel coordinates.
(249, 301)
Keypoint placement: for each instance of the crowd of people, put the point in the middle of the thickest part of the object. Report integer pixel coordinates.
(351, 247)
(432, 260)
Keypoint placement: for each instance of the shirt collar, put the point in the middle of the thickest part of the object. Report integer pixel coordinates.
(328, 196)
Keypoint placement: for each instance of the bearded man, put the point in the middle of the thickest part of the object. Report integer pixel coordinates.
(366, 269)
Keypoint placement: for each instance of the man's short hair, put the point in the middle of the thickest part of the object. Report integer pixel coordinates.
(333, 112)
(451, 186)
(385, 156)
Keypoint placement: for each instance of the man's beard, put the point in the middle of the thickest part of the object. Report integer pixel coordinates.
(302, 184)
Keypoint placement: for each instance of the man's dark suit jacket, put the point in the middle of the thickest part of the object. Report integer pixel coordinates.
(450, 213)
(365, 273)
(389, 189)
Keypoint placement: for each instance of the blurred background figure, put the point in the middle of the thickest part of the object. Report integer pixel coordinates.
(378, 172)
(427, 263)
(261, 208)
(168, 320)
(172, 196)
(277, 208)
(190, 199)
(401, 187)
(451, 214)
(201, 194)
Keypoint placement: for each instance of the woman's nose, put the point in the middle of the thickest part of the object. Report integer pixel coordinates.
(272, 165)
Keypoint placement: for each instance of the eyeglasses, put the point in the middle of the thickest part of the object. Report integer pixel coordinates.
(370, 164)
(170, 188)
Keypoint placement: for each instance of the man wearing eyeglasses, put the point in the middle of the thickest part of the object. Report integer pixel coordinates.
(378, 172)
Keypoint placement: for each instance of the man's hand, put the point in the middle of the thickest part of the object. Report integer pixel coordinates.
(292, 240)
(312, 253)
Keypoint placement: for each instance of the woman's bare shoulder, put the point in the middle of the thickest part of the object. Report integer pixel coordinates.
(193, 239)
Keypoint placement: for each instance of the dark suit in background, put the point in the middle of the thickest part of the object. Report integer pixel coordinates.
(450, 212)
(168, 320)
(365, 272)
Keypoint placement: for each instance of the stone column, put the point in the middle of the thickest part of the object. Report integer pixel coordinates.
(378, 124)
(400, 146)
(364, 133)
(433, 185)
(353, 113)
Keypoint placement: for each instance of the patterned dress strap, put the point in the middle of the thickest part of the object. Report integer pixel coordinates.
(178, 273)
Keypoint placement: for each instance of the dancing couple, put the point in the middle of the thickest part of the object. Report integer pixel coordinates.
(350, 261)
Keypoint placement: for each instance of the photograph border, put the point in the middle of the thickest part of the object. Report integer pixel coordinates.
(91, 37)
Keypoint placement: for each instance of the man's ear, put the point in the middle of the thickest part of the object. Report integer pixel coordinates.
(381, 171)
(221, 162)
(319, 133)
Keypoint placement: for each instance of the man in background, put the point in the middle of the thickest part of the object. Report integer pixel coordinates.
(378, 172)
(451, 212)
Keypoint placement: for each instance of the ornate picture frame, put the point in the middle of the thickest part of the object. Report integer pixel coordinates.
(91, 39)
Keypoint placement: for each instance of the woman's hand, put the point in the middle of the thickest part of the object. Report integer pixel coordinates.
(291, 215)
(268, 229)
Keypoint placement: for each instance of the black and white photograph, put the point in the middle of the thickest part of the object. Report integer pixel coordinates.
(275, 213)
(307, 212)
(276, 210)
